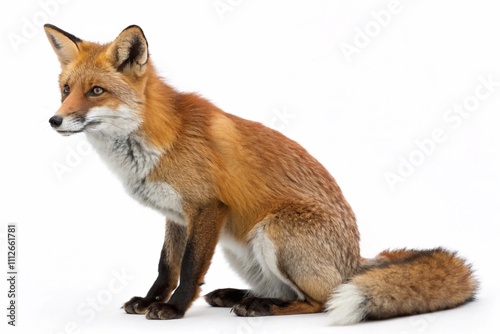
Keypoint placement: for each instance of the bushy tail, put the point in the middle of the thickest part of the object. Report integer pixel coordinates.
(403, 282)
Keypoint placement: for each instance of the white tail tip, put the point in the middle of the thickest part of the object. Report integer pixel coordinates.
(347, 305)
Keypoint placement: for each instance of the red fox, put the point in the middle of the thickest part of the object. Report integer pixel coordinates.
(279, 216)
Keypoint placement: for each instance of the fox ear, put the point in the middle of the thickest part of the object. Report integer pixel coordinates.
(129, 51)
(64, 44)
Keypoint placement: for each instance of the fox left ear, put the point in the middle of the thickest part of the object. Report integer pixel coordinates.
(64, 44)
(129, 51)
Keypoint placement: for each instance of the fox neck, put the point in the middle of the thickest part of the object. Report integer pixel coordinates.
(161, 122)
(133, 155)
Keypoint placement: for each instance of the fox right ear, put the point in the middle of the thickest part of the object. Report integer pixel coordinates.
(64, 44)
(129, 51)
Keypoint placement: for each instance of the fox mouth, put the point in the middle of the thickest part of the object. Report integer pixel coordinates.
(68, 132)
(79, 127)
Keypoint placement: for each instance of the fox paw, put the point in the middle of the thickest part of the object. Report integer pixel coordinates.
(225, 297)
(163, 311)
(257, 307)
(137, 305)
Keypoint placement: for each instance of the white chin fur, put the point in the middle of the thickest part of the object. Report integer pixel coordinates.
(346, 306)
(119, 122)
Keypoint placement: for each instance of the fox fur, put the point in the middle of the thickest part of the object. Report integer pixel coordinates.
(280, 217)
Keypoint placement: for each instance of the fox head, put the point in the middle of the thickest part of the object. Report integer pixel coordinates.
(102, 85)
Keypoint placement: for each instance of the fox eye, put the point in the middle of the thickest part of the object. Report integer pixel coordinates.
(66, 89)
(96, 90)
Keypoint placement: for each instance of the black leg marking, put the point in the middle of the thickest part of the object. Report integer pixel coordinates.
(205, 225)
(157, 292)
(183, 295)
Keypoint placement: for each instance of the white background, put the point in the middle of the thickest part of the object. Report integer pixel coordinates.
(358, 115)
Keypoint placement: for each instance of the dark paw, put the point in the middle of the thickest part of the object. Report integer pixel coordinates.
(225, 297)
(257, 307)
(163, 311)
(137, 305)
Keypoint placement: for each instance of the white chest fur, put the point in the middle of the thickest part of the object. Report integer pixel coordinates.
(132, 160)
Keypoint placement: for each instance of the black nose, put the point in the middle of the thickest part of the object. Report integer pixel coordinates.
(55, 121)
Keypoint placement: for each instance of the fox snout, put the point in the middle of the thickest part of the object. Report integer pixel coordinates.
(97, 120)
(68, 124)
(55, 121)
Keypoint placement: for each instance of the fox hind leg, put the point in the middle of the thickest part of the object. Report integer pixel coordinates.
(307, 251)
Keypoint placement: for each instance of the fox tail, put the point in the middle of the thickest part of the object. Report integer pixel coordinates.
(403, 282)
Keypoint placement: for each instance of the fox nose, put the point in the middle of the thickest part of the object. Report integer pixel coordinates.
(55, 121)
